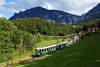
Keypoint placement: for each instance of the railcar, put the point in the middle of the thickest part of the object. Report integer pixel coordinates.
(62, 45)
(48, 49)
(45, 50)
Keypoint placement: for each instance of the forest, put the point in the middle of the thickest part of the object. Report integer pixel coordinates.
(19, 36)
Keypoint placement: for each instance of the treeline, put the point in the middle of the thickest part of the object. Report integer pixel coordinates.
(36, 25)
(92, 24)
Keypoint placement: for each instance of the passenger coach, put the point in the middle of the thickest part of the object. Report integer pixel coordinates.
(52, 48)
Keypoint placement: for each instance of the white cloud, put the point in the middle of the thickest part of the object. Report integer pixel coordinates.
(77, 7)
(47, 5)
(11, 2)
(2, 2)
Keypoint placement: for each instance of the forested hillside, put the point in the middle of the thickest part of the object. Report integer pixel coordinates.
(19, 36)
(35, 25)
(92, 23)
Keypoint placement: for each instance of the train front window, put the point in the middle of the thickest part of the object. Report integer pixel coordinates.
(36, 50)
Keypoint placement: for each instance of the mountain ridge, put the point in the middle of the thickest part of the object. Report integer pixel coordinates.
(94, 13)
(58, 15)
(52, 15)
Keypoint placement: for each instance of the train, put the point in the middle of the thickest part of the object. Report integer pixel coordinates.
(52, 48)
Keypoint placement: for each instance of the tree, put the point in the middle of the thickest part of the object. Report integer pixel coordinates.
(58, 40)
(39, 37)
(6, 46)
(23, 41)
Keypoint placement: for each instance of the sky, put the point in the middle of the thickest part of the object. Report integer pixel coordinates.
(77, 7)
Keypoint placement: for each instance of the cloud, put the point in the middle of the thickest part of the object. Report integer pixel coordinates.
(47, 5)
(2, 2)
(76, 7)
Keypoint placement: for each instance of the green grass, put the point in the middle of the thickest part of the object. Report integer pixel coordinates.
(85, 53)
(45, 43)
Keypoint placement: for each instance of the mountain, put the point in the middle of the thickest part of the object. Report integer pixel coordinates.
(94, 13)
(57, 15)
(52, 15)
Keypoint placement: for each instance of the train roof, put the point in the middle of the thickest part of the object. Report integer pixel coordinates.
(46, 47)
(63, 42)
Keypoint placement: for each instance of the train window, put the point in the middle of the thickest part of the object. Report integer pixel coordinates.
(45, 49)
(41, 50)
(51, 47)
(36, 50)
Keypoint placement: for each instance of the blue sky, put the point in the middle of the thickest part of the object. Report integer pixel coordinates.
(77, 7)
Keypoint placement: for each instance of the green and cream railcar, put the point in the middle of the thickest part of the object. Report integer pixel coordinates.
(45, 50)
(62, 45)
(52, 48)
